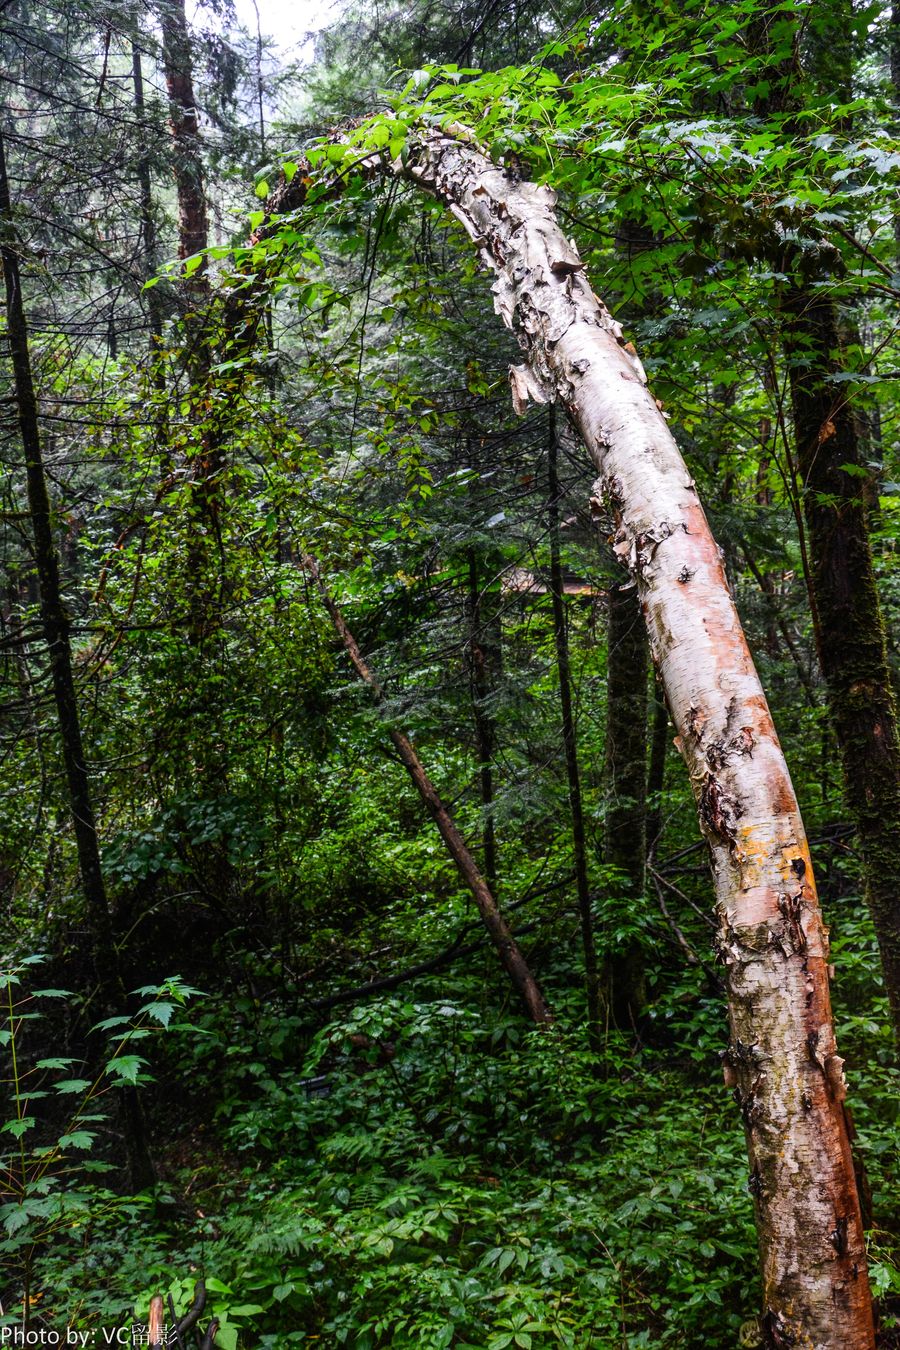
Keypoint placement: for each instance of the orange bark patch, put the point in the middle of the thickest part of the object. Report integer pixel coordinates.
(758, 897)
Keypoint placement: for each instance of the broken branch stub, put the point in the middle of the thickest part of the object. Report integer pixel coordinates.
(782, 1060)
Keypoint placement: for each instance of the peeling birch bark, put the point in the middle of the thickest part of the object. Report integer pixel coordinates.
(782, 1062)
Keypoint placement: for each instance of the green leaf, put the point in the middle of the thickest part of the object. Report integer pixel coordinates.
(77, 1139)
(111, 1022)
(15, 1219)
(262, 189)
(72, 1085)
(18, 1127)
(226, 1337)
(854, 470)
(125, 1067)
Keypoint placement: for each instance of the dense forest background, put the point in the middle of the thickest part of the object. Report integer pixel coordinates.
(256, 1030)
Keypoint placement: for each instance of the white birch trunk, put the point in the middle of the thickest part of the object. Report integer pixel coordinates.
(782, 1061)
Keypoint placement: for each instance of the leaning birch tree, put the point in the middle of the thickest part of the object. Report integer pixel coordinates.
(781, 1062)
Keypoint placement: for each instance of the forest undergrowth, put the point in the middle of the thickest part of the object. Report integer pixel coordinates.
(426, 1170)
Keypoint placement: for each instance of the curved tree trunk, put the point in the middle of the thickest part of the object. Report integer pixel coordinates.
(782, 1062)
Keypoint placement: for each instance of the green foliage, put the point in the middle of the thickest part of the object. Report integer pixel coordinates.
(46, 1179)
(431, 1175)
(413, 1166)
(466, 1185)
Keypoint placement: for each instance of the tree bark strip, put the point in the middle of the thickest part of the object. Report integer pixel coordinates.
(782, 1061)
(206, 464)
(149, 242)
(149, 245)
(894, 62)
(507, 948)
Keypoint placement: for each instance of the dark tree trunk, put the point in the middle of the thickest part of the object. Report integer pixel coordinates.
(54, 619)
(207, 459)
(193, 227)
(656, 772)
(570, 746)
(481, 659)
(149, 242)
(894, 54)
(849, 628)
(625, 839)
(894, 65)
(56, 630)
(850, 634)
(507, 948)
(628, 836)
